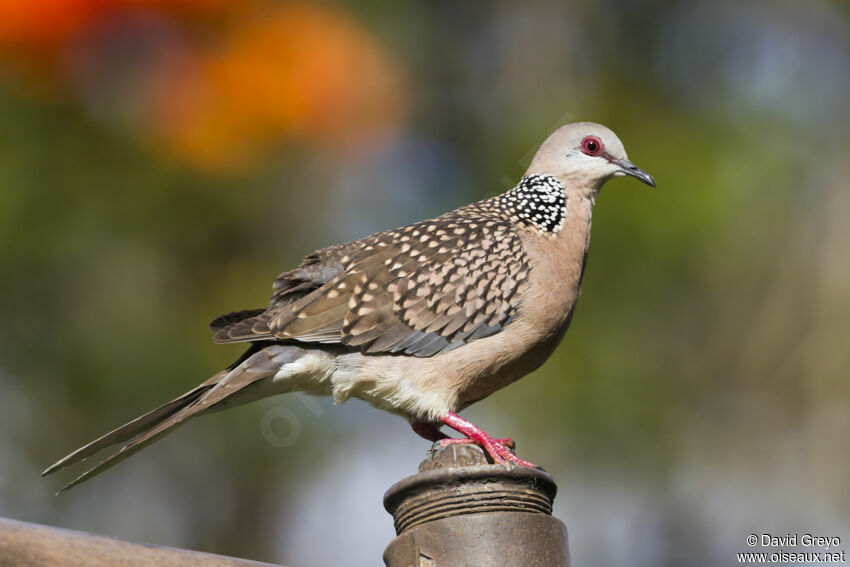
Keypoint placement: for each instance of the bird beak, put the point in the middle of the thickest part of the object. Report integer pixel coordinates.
(628, 168)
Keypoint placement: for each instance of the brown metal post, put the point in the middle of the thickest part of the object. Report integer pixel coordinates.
(462, 510)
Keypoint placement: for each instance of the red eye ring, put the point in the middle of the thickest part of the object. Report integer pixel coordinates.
(592, 146)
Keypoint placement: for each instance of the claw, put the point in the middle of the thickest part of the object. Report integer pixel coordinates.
(509, 456)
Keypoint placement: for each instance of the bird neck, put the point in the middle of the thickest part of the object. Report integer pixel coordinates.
(538, 202)
(558, 263)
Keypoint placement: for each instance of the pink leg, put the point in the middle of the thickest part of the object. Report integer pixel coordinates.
(497, 450)
(431, 432)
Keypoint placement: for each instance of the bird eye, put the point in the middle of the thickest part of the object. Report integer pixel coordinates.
(591, 146)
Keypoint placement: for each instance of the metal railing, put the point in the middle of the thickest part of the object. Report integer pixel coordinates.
(23, 544)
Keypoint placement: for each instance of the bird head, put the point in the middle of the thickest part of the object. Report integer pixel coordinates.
(584, 155)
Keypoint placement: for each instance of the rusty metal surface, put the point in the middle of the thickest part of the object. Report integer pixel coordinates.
(504, 539)
(25, 544)
(461, 510)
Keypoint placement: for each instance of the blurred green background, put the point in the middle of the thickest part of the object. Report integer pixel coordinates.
(161, 162)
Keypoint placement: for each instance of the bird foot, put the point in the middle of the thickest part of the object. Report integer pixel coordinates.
(506, 442)
(498, 449)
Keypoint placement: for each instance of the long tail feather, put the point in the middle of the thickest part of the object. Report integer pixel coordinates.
(128, 430)
(151, 426)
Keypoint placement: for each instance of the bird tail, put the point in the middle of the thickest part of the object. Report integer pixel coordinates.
(257, 363)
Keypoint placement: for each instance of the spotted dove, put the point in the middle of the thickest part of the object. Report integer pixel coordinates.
(421, 321)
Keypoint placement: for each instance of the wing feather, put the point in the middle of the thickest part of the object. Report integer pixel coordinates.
(418, 290)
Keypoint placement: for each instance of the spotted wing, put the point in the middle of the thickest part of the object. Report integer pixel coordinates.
(419, 290)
